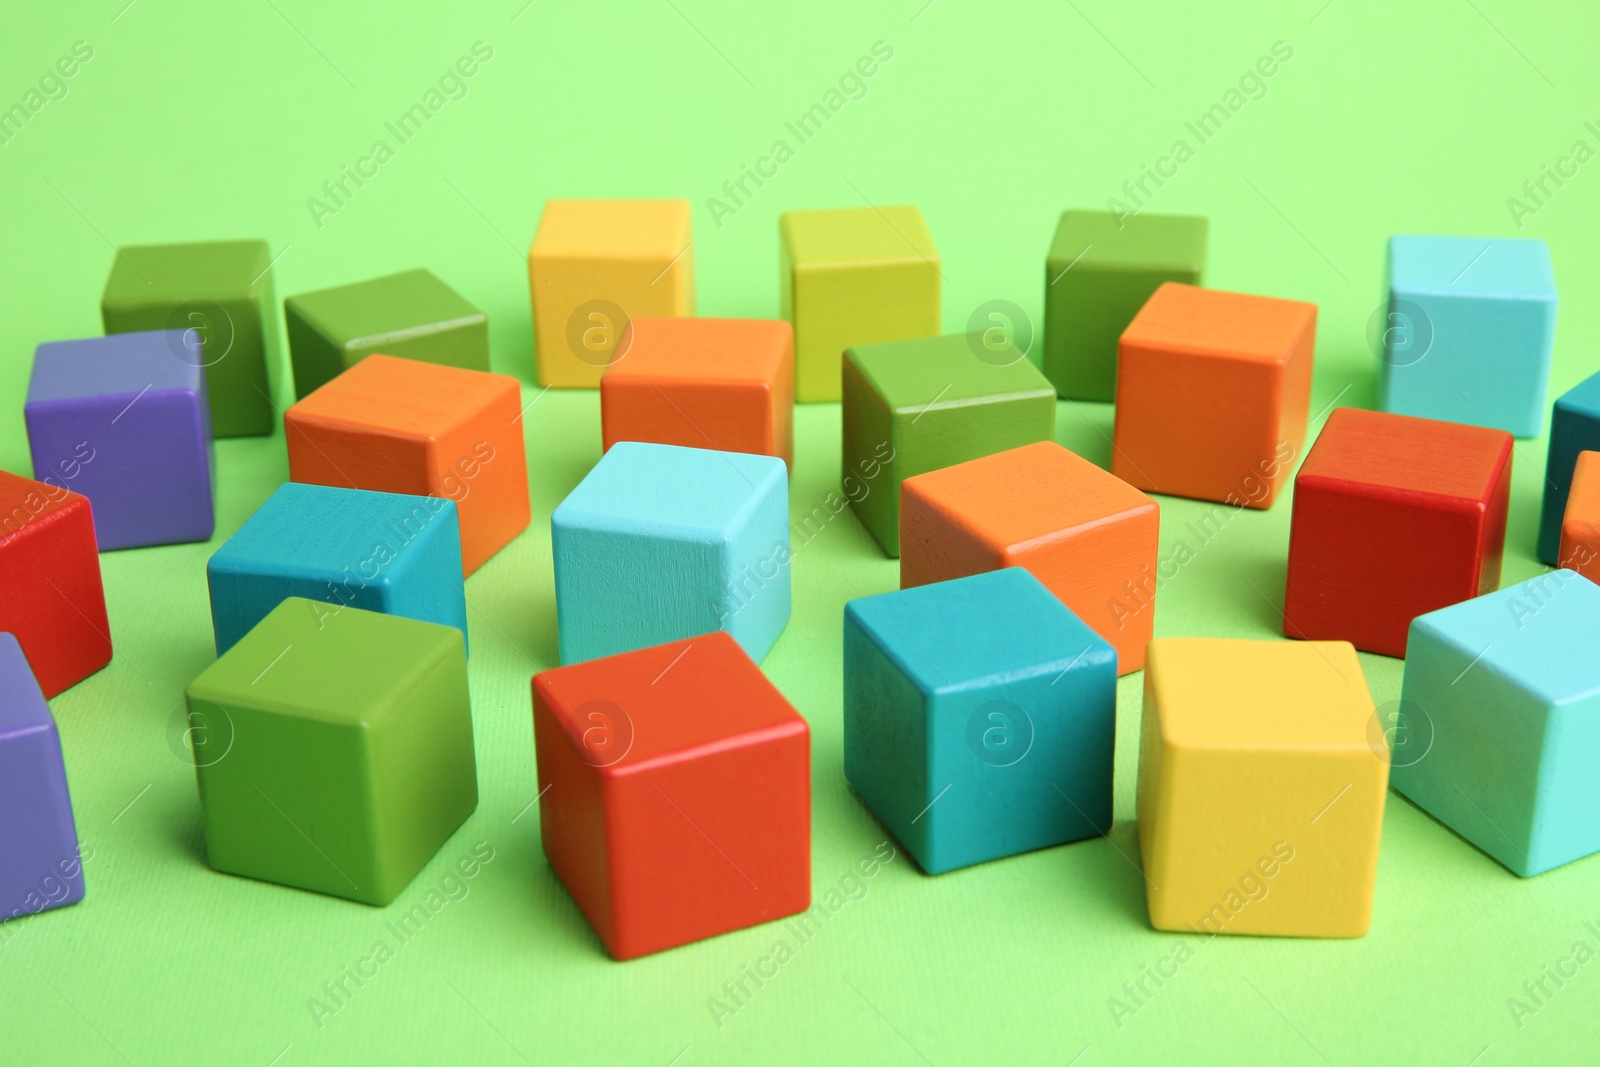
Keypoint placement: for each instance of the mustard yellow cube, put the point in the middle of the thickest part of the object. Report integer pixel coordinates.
(1262, 777)
(596, 265)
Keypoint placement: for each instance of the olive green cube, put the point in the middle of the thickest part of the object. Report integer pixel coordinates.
(333, 748)
(412, 315)
(1100, 271)
(910, 407)
(219, 295)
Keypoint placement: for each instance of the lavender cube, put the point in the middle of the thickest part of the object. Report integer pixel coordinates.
(39, 863)
(124, 420)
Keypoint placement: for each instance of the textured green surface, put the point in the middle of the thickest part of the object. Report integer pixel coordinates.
(411, 314)
(223, 120)
(334, 749)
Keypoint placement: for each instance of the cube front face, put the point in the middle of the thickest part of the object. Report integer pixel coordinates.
(979, 718)
(326, 776)
(647, 765)
(1580, 525)
(50, 568)
(857, 276)
(1098, 274)
(411, 315)
(1486, 311)
(921, 405)
(1574, 428)
(1212, 394)
(1260, 798)
(1501, 689)
(595, 265)
(214, 295)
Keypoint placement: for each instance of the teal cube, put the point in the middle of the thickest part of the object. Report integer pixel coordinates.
(1470, 328)
(1498, 731)
(1574, 428)
(661, 542)
(979, 718)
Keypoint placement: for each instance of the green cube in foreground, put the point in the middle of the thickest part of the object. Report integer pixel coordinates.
(915, 406)
(412, 315)
(1100, 271)
(219, 295)
(334, 749)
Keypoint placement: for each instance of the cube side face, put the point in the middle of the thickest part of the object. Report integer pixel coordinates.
(39, 863)
(1580, 522)
(1574, 428)
(936, 544)
(843, 305)
(349, 455)
(725, 416)
(1564, 825)
(756, 592)
(581, 309)
(55, 603)
(315, 357)
(1085, 311)
(867, 444)
(481, 464)
(573, 810)
(886, 743)
(243, 593)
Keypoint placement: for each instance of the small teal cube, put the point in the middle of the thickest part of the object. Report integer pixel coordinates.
(1469, 331)
(659, 543)
(979, 718)
(385, 552)
(1574, 428)
(1498, 731)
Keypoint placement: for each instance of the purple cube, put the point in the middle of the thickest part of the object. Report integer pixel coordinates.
(124, 421)
(39, 863)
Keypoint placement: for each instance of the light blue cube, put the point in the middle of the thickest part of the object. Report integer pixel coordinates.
(1470, 328)
(979, 718)
(660, 543)
(1500, 721)
(1574, 428)
(387, 552)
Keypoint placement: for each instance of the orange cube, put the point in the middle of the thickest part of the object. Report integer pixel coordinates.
(1580, 526)
(404, 426)
(1212, 391)
(726, 384)
(595, 265)
(1090, 537)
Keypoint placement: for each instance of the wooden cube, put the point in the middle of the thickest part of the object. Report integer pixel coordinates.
(675, 786)
(1394, 517)
(1574, 428)
(1580, 527)
(594, 266)
(1090, 537)
(1212, 394)
(726, 384)
(853, 276)
(403, 426)
(1261, 792)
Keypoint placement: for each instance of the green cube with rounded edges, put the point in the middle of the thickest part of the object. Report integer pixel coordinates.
(1100, 271)
(333, 748)
(853, 276)
(219, 295)
(915, 406)
(412, 315)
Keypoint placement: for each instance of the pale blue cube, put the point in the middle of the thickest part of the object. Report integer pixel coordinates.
(660, 543)
(1469, 332)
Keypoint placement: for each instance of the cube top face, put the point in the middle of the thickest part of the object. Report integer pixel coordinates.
(1471, 267)
(944, 372)
(404, 397)
(144, 274)
(612, 229)
(122, 365)
(848, 236)
(22, 706)
(1378, 453)
(998, 627)
(1582, 399)
(680, 349)
(629, 712)
(1242, 696)
(1096, 239)
(671, 491)
(396, 307)
(1211, 322)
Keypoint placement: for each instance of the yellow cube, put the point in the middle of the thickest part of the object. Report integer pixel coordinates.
(594, 266)
(855, 276)
(1262, 777)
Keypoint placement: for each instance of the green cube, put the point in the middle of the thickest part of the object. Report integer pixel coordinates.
(916, 406)
(334, 749)
(1100, 271)
(412, 315)
(219, 294)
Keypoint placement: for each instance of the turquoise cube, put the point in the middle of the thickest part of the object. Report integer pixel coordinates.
(1469, 331)
(979, 718)
(1574, 428)
(1498, 731)
(384, 552)
(659, 543)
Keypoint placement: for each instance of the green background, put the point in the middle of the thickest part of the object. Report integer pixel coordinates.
(198, 121)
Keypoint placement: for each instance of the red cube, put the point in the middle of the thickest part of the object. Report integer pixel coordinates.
(676, 793)
(53, 601)
(1394, 517)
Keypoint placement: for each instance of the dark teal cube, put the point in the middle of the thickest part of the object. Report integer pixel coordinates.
(1574, 428)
